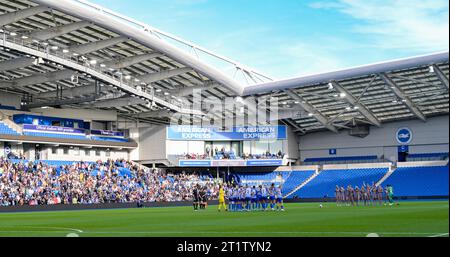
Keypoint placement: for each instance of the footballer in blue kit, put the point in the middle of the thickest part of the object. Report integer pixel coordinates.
(251, 198)
(279, 198)
(254, 198)
(272, 197)
(248, 198)
(263, 197)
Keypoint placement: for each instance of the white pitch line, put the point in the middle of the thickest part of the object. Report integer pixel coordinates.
(70, 229)
(253, 232)
(439, 235)
(29, 231)
(221, 232)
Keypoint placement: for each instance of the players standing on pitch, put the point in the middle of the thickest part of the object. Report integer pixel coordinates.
(242, 198)
(222, 199)
(200, 197)
(366, 195)
(203, 198)
(196, 197)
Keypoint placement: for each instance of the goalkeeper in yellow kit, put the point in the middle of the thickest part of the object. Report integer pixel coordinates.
(222, 199)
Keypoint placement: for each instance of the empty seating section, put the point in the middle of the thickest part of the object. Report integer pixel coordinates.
(346, 159)
(427, 157)
(326, 181)
(54, 135)
(419, 181)
(295, 179)
(5, 130)
(254, 179)
(110, 139)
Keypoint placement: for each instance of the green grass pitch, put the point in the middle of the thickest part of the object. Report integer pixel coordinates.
(418, 219)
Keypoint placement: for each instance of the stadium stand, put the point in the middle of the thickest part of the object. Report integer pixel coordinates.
(4, 129)
(338, 160)
(325, 183)
(75, 181)
(254, 179)
(55, 135)
(419, 181)
(295, 179)
(108, 95)
(110, 139)
(427, 157)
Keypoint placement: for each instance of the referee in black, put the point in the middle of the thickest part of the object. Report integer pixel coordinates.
(196, 194)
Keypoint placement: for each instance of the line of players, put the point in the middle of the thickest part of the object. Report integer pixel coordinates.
(200, 196)
(367, 195)
(252, 198)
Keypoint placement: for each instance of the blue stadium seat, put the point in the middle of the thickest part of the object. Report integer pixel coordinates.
(427, 156)
(55, 135)
(326, 181)
(254, 179)
(295, 179)
(346, 159)
(419, 181)
(110, 139)
(5, 130)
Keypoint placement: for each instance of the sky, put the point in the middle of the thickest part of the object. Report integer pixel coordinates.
(289, 38)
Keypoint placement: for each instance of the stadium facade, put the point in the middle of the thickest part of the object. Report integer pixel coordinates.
(79, 82)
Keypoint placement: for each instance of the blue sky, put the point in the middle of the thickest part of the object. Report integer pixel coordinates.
(287, 38)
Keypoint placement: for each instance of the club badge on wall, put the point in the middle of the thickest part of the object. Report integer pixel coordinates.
(404, 135)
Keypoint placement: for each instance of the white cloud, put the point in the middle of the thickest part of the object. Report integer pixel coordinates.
(417, 25)
(381, 30)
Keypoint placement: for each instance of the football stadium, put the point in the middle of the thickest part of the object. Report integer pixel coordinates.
(110, 127)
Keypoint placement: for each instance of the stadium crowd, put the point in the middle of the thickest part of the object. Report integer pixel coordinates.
(225, 155)
(37, 183)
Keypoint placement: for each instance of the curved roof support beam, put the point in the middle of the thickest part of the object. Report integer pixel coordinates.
(402, 95)
(154, 114)
(107, 79)
(293, 124)
(97, 45)
(441, 75)
(354, 102)
(144, 37)
(190, 90)
(129, 61)
(12, 17)
(154, 77)
(53, 32)
(356, 72)
(73, 91)
(39, 79)
(61, 102)
(311, 109)
(16, 63)
(119, 102)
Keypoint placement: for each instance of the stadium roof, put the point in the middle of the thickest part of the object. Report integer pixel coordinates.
(72, 53)
(409, 88)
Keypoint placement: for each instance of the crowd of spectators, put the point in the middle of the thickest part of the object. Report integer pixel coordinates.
(225, 155)
(266, 155)
(37, 183)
